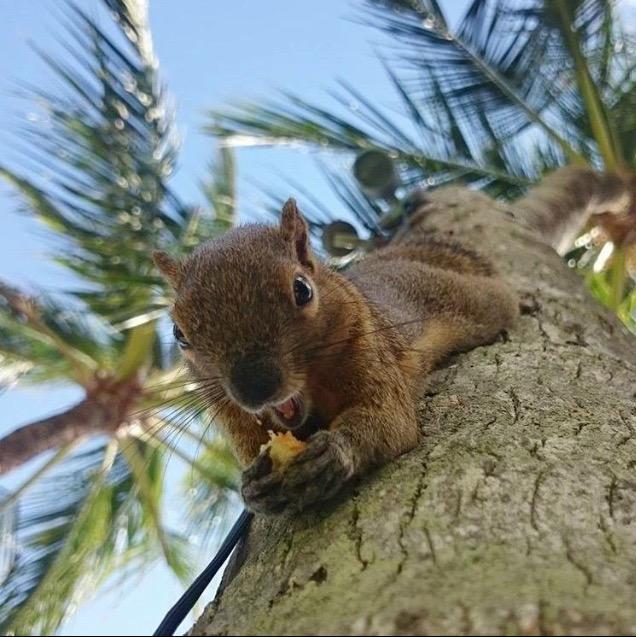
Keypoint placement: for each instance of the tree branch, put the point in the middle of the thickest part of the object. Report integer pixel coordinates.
(517, 512)
(103, 410)
(27, 442)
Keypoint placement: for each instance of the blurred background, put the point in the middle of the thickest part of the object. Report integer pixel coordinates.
(127, 126)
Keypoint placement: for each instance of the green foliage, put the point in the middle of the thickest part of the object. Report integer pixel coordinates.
(515, 91)
(103, 158)
(218, 494)
(95, 169)
(75, 527)
(220, 189)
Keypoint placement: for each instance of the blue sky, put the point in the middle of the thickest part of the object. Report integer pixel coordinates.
(211, 53)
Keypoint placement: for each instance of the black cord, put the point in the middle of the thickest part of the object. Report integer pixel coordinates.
(187, 601)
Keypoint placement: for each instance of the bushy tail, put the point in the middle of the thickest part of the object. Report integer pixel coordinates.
(562, 203)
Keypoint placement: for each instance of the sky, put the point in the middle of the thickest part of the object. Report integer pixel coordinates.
(211, 53)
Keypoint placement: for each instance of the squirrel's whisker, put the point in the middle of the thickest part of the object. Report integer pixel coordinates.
(258, 303)
(354, 337)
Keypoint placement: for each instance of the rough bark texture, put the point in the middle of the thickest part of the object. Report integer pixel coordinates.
(516, 515)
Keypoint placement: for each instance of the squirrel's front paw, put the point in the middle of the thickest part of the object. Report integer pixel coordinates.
(315, 474)
(260, 486)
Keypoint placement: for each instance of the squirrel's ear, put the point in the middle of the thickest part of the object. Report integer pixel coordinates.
(169, 267)
(294, 229)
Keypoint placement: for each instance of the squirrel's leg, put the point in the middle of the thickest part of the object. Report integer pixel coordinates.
(359, 438)
(478, 309)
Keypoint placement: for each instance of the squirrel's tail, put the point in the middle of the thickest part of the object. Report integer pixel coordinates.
(562, 203)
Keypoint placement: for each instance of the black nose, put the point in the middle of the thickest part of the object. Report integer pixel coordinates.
(255, 379)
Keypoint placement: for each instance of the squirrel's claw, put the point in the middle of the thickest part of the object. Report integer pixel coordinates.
(324, 461)
(262, 466)
(261, 493)
(316, 474)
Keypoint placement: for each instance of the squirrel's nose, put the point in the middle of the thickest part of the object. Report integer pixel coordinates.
(255, 379)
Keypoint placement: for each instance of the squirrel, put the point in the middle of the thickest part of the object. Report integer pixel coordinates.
(338, 358)
(282, 342)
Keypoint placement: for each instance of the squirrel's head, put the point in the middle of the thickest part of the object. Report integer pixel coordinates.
(247, 307)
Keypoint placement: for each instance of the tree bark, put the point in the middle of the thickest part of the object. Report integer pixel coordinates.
(103, 410)
(516, 515)
(29, 441)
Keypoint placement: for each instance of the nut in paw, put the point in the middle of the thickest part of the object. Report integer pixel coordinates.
(314, 475)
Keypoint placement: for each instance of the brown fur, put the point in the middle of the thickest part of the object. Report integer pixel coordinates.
(359, 352)
(561, 204)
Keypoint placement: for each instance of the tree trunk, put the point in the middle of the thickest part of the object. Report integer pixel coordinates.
(516, 515)
(103, 410)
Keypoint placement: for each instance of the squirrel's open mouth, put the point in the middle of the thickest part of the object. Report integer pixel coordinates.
(291, 412)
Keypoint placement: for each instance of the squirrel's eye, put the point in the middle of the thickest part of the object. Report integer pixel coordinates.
(408, 206)
(302, 291)
(180, 337)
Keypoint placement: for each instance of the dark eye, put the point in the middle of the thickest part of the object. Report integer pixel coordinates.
(179, 337)
(408, 206)
(302, 291)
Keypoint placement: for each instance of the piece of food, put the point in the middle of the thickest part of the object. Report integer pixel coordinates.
(283, 448)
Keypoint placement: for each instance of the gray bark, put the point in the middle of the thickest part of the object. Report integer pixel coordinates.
(516, 515)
